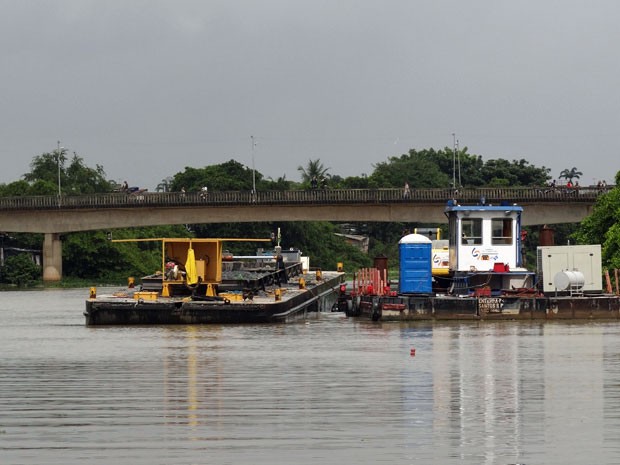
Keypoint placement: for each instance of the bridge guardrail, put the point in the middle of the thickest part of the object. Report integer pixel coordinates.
(303, 197)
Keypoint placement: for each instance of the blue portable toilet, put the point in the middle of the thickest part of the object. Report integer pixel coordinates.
(415, 252)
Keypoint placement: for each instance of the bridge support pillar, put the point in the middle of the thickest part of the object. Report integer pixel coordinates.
(52, 257)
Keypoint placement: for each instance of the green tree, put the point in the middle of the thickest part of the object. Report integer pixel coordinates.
(353, 182)
(19, 188)
(258, 230)
(314, 169)
(164, 185)
(84, 180)
(419, 168)
(502, 172)
(20, 270)
(92, 255)
(75, 177)
(49, 167)
(317, 240)
(603, 227)
(280, 184)
(441, 168)
(230, 175)
(570, 174)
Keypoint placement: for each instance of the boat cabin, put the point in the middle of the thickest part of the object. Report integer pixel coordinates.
(484, 237)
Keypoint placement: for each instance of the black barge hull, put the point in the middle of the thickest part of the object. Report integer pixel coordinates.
(170, 311)
(411, 308)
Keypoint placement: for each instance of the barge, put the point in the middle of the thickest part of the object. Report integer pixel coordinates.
(200, 284)
(483, 277)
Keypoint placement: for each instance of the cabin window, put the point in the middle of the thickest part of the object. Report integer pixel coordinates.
(501, 231)
(471, 231)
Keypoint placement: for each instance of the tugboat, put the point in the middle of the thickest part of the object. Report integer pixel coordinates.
(200, 284)
(486, 278)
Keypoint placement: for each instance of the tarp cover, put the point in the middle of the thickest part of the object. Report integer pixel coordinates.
(191, 275)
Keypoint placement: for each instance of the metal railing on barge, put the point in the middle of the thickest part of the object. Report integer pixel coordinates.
(517, 195)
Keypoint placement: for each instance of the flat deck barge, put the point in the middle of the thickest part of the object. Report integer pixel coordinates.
(284, 303)
(412, 308)
(201, 285)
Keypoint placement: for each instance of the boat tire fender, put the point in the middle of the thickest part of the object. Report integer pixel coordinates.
(376, 311)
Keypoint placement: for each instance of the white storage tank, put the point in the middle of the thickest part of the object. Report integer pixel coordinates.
(572, 281)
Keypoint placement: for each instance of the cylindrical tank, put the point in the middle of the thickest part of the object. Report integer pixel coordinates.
(415, 254)
(569, 280)
(546, 236)
(381, 263)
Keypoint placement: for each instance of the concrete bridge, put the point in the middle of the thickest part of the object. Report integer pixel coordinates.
(55, 215)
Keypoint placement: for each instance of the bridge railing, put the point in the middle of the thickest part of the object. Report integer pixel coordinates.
(303, 197)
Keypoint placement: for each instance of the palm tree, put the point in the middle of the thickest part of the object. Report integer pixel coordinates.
(571, 174)
(164, 185)
(314, 169)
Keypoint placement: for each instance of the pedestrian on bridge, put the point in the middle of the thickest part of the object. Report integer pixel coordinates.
(406, 191)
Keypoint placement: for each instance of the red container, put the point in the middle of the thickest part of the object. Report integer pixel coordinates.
(483, 292)
(499, 267)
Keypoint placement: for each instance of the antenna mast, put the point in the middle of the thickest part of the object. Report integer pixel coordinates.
(253, 170)
(453, 161)
(458, 155)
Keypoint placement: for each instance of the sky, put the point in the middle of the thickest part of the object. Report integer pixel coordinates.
(146, 88)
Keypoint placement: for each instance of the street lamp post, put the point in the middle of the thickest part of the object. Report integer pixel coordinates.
(453, 161)
(58, 162)
(253, 170)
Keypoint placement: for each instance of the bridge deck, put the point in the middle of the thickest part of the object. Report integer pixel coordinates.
(518, 195)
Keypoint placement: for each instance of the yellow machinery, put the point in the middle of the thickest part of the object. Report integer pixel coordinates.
(188, 261)
(440, 251)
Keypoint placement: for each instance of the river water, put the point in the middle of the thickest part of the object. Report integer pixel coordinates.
(329, 390)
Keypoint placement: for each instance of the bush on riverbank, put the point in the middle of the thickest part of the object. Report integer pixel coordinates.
(19, 270)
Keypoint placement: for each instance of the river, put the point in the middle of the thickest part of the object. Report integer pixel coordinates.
(329, 390)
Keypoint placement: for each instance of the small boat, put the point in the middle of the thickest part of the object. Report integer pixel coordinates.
(201, 283)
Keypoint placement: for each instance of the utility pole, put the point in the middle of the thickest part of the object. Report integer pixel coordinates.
(58, 162)
(453, 161)
(58, 153)
(253, 170)
(458, 159)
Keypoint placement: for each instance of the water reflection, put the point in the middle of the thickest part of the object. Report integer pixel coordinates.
(330, 389)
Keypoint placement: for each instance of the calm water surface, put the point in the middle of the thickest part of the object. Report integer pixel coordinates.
(330, 390)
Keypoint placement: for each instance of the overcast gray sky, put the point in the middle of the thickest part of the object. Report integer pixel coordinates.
(146, 88)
